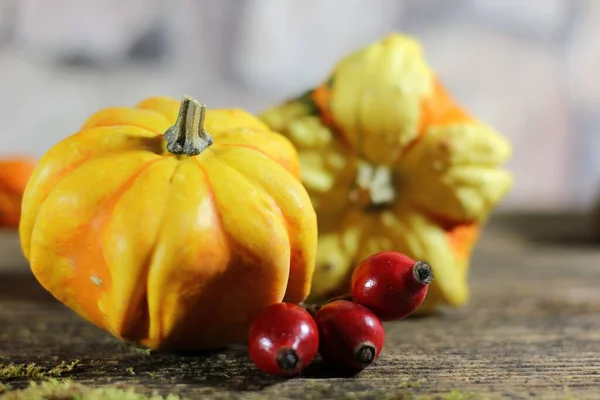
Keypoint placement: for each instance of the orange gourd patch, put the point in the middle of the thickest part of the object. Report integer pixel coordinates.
(14, 174)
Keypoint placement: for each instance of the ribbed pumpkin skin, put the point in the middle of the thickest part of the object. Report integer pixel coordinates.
(164, 250)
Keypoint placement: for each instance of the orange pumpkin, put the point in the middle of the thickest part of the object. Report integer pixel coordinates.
(174, 240)
(14, 174)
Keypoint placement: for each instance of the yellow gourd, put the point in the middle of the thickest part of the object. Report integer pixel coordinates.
(391, 162)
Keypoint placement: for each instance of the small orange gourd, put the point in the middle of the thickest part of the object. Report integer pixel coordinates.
(14, 174)
(170, 225)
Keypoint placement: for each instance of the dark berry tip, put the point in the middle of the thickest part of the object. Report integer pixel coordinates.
(365, 353)
(287, 359)
(423, 272)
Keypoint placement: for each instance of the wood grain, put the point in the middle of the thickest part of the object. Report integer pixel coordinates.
(532, 330)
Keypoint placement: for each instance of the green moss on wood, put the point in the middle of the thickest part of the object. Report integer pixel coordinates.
(411, 384)
(66, 390)
(455, 395)
(34, 371)
(4, 387)
(459, 395)
(131, 348)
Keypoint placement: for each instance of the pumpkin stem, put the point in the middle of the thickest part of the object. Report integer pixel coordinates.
(187, 136)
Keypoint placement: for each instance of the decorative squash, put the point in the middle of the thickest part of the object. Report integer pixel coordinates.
(14, 174)
(171, 241)
(392, 163)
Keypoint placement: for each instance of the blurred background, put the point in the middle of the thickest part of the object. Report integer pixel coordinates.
(529, 68)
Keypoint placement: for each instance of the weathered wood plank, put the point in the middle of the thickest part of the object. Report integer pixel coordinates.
(532, 329)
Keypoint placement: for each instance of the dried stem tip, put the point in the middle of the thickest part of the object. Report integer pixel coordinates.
(365, 353)
(423, 272)
(287, 359)
(187, 136)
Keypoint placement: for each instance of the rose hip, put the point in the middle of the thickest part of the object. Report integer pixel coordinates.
(283, 340)
(391, 284)
(351, 337)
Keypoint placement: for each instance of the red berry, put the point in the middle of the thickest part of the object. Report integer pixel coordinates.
(391, 284)
(283, 340)
(351, 336)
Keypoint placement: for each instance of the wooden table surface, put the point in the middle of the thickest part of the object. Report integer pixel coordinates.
(532, 330)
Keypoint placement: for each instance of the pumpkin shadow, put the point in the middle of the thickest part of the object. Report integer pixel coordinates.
(231, 369)
(320, 369)
(228, 368)
(22, 288)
